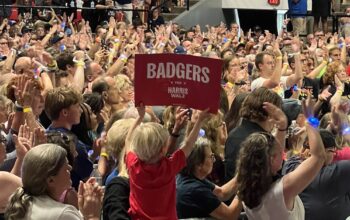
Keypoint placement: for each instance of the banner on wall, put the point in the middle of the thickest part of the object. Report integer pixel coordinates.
(173, 79)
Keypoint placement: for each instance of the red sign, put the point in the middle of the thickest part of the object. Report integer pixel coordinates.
(273, 2)
(172, 79)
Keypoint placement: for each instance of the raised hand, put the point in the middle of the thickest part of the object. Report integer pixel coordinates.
(181, 118)
(24, 141)
(39, 137)
(276, 114)
(90, 199)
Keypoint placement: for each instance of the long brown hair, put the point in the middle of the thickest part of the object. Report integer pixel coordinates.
(254, 176)
(332, 69)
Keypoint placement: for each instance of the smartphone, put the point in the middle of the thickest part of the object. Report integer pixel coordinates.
(189, 113)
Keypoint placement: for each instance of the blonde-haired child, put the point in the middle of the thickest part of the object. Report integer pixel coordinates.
(152, 174)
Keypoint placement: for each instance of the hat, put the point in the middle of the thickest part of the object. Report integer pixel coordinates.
(292, 108)
(328, 138)
(180, 50)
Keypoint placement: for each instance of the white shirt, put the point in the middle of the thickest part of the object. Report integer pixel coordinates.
(273, 207)
(257, 83)
(44, 208)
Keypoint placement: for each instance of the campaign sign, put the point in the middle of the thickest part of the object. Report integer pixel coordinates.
(172, 79)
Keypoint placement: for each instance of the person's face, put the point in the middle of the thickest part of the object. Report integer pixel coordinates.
(25, 66)
(38, 103)
(276, 158)
(40, 31)
(74, 113)
(113, 93)
(190, 35)
(335, 55)
(310, 37)
(234, 27)
(127, 92)
(304, 63)
(268, 64)
(234, 68)
(319, 35)
(62, 180)
(187, 45)
(243, 62)
(3, 45)
(342, 74)
(241, 51)
(207, 166)
(96, 71)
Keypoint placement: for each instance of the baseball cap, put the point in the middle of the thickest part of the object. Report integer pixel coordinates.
(180, 50)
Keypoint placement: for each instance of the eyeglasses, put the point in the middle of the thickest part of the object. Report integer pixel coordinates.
(331, 150)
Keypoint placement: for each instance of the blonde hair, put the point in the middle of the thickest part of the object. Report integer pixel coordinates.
(116, 142)
(148, 141)
(122, 81)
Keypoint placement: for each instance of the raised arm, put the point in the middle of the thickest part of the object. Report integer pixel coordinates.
(187, 147)
(275, 78)
(141, 110)
(298, 74)
(296, 181)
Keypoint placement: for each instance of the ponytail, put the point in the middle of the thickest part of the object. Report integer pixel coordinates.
(18, 205)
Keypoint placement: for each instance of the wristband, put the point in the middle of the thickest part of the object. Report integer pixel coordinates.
(123, 58)
(295, 54)
(339, 91)
(312, 121)
(325, 62)
(279, 58)
(104, 154)
(80, 63)
(346, 131)
(27, 109)
(18, 108)
(174, 135)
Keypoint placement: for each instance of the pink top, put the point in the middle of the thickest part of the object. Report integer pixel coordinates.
(152, 186)
(342, 154)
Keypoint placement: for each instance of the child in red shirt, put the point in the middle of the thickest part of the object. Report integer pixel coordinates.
(152, 174)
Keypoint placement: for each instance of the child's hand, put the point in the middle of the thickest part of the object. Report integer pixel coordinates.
(180, 118)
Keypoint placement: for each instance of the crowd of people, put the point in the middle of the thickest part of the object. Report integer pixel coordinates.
(74, 145)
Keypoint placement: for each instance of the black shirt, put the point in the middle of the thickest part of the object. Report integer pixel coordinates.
(233, 142)
(194, 197)
(116, 199)
(328, 195)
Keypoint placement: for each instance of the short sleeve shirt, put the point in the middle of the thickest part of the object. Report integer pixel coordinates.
(194, 197)
(257, 83)
(150, 183)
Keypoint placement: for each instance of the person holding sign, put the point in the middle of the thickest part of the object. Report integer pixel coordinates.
(152, 174)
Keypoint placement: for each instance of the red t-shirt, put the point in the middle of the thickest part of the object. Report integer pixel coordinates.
(153, 187)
